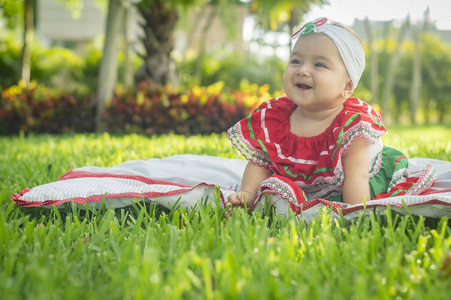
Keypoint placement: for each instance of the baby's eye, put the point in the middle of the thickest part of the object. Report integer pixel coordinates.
(295, 61)
(320, 65)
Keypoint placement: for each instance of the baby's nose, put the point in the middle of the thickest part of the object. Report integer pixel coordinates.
(303, 70)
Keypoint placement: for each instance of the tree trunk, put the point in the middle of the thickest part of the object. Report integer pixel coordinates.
(416, 73)
(199, 16)
(25, 65)
(442, 109)
(390, 75)
(193, 29)
(374, 68)
(158, 25)
(128, 70)
(416, 77)
(212, 12)
(109, 63)
(427, 111)
(429, 102)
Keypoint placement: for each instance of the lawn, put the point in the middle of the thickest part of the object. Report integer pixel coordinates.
(149, 253)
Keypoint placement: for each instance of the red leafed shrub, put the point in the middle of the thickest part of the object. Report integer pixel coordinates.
(35, 108)
(151, 109)
(202, 110)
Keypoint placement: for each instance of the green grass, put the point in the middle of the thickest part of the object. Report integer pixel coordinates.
(146, 253)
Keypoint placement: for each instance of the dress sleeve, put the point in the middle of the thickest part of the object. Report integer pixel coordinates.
(246, 136)
(361, 121)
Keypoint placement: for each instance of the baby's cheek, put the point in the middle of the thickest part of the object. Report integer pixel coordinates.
(285, 79)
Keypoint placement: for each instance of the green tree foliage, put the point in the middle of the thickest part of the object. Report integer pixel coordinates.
(75, 7)
(276, 14)
(234, 68)
(436, 80)
(58, 67)
(437, 68)
(11, 13)
(9, 59)
(54, 67)
(160, 17)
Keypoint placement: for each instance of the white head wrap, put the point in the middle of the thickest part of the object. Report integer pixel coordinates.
(348, 45)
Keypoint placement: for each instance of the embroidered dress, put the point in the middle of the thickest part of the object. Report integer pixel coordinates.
(306, 168)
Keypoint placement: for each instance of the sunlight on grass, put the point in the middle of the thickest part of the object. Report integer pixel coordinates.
(143, 252)
(422, 141)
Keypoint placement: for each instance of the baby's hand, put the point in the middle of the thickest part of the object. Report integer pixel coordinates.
(238, 199)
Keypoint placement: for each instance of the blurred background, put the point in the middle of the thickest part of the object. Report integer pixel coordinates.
(197, 66)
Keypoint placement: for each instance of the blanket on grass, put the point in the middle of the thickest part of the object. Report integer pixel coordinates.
(187, 179)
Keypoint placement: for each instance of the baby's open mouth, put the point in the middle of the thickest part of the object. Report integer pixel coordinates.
(303, 86)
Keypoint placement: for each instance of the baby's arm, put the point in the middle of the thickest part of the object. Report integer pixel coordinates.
(356, 172)
(252, 178)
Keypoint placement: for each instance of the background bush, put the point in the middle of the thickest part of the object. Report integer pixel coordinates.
(73, 75)
(232, 68)
(54, 67)
(38, 109)
(151, 109)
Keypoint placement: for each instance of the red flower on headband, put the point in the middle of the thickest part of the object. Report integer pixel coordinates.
(309, 27)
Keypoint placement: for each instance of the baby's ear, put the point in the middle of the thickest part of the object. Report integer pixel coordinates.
(347, 91)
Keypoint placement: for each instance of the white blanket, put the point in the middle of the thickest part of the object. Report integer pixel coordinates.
(189, 179)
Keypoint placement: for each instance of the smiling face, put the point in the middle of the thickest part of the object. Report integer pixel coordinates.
(316, 78)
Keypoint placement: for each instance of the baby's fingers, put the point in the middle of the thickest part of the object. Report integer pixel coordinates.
(235, 199)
